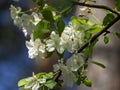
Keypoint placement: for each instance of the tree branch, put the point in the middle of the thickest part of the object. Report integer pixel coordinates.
(58, 73)
(96, 6)
(98, 34)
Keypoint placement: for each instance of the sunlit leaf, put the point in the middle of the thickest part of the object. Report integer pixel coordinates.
(87, 82)
(48, 75)
(94, 29)
(42, 29)
(22, 82)
(50, 84)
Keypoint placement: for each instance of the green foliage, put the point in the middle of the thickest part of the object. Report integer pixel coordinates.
(106, 39)
(42, 29)
(22, 82)
(50, 84)
(117, 34)
(98, 63)
(117, 5)
(108, 18)
(60, 26)
(94, 29)
(87, 82)
(66, 11)
(47, 14)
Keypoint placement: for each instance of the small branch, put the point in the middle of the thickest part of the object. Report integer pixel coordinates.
(98, 34)
(58, 73)
(96, 6)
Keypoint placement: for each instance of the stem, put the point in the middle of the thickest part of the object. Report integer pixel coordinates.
(96, 6)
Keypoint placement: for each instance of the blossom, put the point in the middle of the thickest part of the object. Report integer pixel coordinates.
(28, 23)
(74, 62)
(35, 48)
(54, 43)
(66, 73)
(15, 11)
(34, 82)
(72, 39)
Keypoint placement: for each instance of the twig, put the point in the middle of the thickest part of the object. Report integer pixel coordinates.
(96, 6)
(98, 34)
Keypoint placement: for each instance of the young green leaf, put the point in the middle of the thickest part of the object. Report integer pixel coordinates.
(98, 63)
(42, 29)
(47, 14)
(108, 18)
(50, 84)
(87, 82)
(106, 39)
(48, 75)
(60, 26)
(94, 28)
(22, 82)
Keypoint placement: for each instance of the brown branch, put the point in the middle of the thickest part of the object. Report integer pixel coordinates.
(58, 73)
(96, 6)
(98, 34)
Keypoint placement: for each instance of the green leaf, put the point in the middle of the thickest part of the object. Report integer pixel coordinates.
(108, 18)
(94, 29)
(22, 88)
(78, 82)
(42, 29)
(40, 3)
(117, 34)
(60, 26)
(22, 82)
(106, 39)
(87, 82)
(66, 11)
(117, 5)
(98, 63)
(50, 84)
(48, 75)
(47, 14)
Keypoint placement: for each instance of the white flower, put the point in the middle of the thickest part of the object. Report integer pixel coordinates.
(71, 39)
(37, 18)
(15, 11)
(68, 75)
(28, 23)
(34, 82)
(35, 48)
(54, 43)
(74, 62)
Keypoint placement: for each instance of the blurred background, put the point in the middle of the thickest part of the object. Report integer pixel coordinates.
(14, 62)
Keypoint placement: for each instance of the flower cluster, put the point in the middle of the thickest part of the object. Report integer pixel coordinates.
(37, 25)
